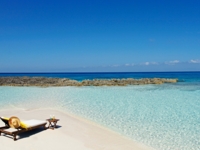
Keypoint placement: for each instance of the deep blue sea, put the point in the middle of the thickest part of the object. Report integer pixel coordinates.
(182, 76)
(165, 117)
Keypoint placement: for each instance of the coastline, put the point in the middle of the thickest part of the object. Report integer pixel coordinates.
(163, 103)
(73, 133)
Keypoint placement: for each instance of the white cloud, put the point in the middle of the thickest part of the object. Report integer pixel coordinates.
(115, 65)
(172, 62)
(194, 61)
(146, 63)
(154, 63)
(149, 63)
(127, 65)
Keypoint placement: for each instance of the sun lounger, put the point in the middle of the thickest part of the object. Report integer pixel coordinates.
(24, 126)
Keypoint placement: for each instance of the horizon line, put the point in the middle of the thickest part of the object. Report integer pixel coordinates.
(97, 72)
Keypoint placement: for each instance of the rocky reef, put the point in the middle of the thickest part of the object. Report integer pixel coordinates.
(47, 82)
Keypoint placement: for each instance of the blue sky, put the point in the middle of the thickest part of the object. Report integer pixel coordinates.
(99, 35)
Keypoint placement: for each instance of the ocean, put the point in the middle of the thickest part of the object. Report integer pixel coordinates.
(165, 117)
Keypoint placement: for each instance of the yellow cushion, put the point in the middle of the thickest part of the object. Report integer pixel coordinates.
(23, 125)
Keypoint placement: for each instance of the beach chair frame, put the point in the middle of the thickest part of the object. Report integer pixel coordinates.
(19, 130)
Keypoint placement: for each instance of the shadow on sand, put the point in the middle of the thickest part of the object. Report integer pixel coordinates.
(30, 133)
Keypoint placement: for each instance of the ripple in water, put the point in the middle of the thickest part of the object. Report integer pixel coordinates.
(166, 117)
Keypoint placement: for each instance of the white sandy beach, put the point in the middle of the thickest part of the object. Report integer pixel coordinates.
(73, 133)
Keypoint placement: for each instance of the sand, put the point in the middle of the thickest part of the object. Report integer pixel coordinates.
(72, 133)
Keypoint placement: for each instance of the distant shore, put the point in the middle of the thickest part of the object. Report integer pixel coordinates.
(46, 82)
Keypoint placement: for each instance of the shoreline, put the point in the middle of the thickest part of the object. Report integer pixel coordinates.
(87, 134)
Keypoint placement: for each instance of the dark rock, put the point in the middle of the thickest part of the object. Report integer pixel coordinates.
(46, 82)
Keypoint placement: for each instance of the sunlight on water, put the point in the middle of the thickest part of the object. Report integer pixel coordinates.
(166, 117)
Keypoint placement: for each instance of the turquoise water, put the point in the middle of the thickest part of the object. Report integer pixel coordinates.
(182, 76)
(165, 117)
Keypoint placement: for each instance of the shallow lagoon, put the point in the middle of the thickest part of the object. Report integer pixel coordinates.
(164, 116)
